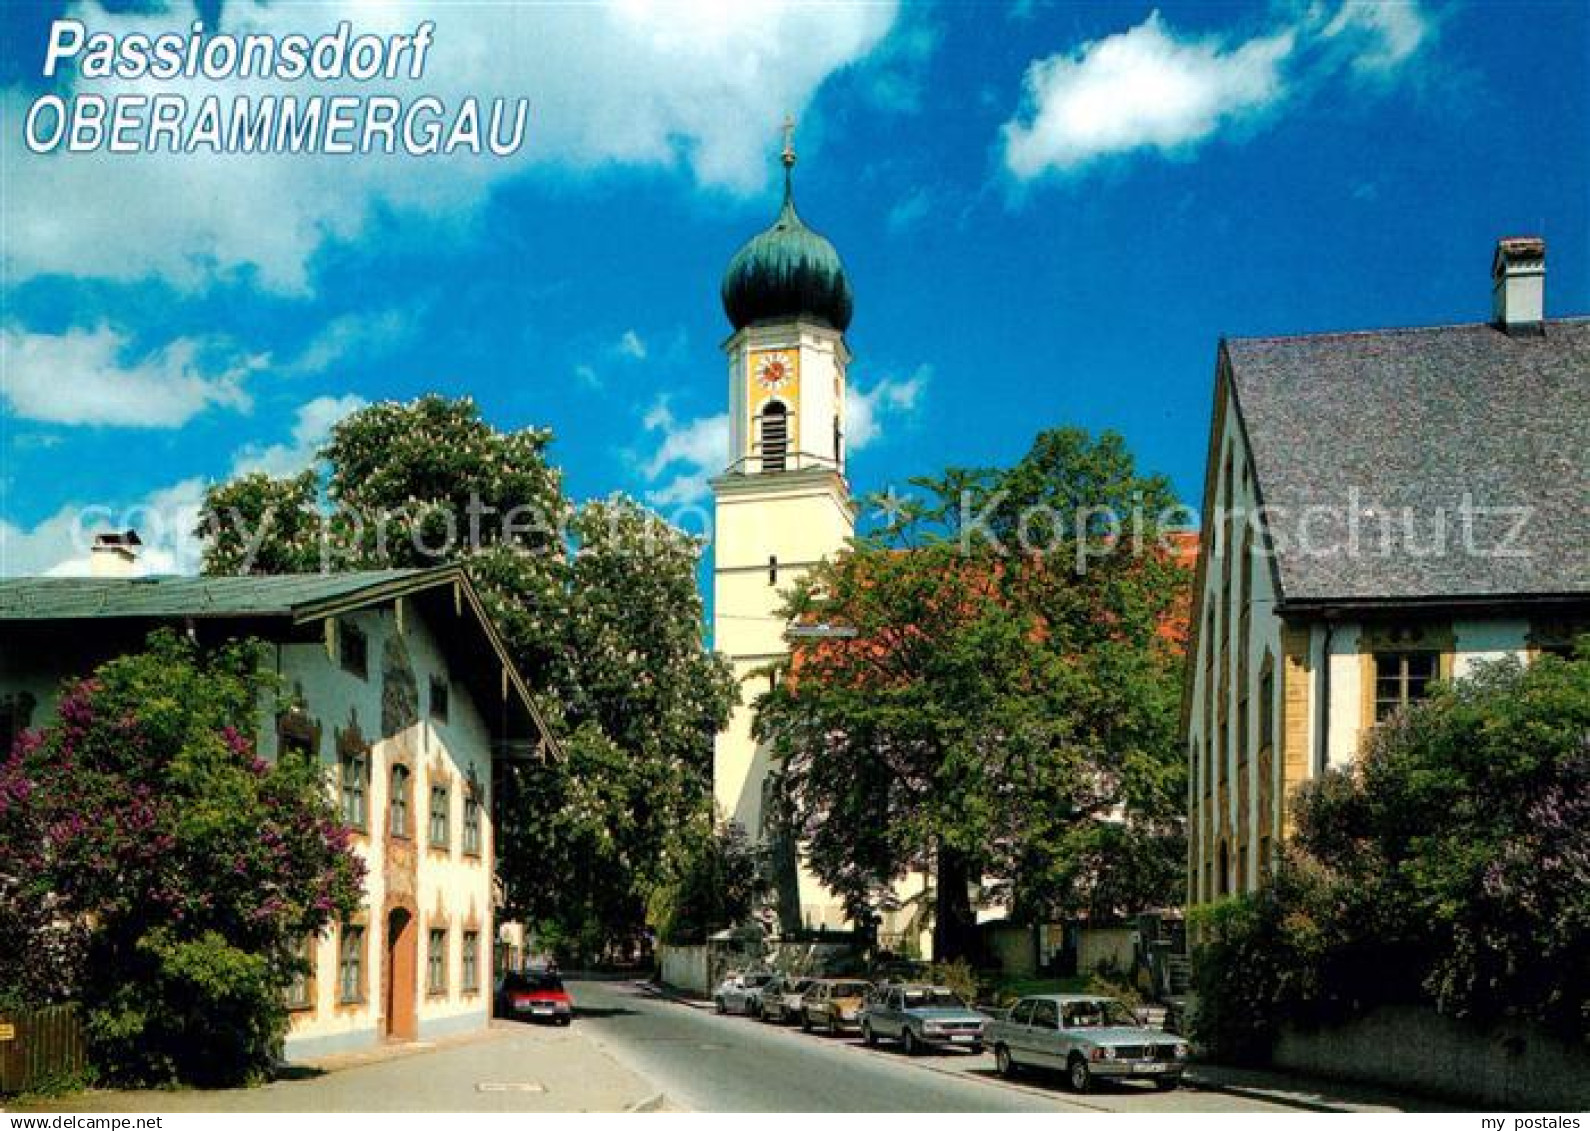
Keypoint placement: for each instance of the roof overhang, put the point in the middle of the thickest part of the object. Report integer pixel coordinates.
(451, 584)
(1336, 608)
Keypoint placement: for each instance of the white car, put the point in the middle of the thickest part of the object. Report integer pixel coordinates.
(737, 992)
(1086, 1037)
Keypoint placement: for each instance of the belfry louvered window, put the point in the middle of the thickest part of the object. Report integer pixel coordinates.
(775, 437)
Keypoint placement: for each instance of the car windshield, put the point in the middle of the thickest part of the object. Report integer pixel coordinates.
(850, 989)
(932, 999)
(758, 979)
(801, 986)
(531, 983)
(1096, 1014)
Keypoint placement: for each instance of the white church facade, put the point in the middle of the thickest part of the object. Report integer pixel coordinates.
(783, 503)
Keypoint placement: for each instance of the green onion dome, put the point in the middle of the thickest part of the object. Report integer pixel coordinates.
(788, 271)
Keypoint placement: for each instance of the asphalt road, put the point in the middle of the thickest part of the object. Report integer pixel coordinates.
(705, 1062)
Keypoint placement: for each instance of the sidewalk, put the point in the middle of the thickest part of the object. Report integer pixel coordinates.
(511, 1067)
(1311, 1093)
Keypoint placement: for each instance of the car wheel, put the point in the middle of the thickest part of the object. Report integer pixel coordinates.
(806, 1022)
(869, 1036)
(564, 1020)
(1167, 1083)
(909, 1042)
(977, 1049)
(1002, 1062)
(1080, 1076)
(722, 1007)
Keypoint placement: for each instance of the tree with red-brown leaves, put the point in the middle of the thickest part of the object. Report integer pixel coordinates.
(992, 696)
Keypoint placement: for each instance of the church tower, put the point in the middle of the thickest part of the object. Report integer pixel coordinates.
(782, 503)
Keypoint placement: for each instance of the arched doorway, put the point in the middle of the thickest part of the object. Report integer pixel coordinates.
(402, 965)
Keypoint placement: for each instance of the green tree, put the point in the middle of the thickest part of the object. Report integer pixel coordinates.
(721, 879)
(599, 607)
(256, 524)
(1002, 707)
(189, 869)
(1448, 866)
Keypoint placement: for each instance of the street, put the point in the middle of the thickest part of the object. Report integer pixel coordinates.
(631, 1050)
(706, 1062)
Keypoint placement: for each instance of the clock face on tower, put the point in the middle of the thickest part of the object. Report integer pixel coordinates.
(774, 370)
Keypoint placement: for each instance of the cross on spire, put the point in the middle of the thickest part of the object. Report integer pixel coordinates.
(789, 159)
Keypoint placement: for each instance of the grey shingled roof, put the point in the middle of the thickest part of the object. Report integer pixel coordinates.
(1414, 419)
(71, 598)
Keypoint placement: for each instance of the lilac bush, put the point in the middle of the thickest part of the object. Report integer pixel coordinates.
(155, 869)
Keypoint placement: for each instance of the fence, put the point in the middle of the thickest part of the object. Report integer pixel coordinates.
(39, 1045)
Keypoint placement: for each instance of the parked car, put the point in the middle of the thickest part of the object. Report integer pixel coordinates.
(920, 1016)
(536, 995)
(756, 994)
(833, 1004)
(1087, 1038)
(780, 999)
(735, 993)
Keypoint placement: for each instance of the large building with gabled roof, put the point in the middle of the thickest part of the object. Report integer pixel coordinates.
(397, 681)
(1383, 509)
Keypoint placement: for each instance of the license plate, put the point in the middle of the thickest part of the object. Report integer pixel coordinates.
(1148, 1068)
(963, 1038)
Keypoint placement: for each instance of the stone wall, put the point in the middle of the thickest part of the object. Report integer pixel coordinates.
(1420, 1050)
(1112, 947)
(1014, 947)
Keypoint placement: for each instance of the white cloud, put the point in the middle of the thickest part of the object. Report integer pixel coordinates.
(697, 87)
(59, 546)
(891, 399)
(87, 377)
(355, 335)
(313, 425)
(632, 346)
(165, 517)
(1380, 36)
(1142, 88)
(690, 452)
(908, 211)
(1149, 88)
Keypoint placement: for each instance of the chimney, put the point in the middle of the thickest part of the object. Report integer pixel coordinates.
(1518, 284)
(114, 554)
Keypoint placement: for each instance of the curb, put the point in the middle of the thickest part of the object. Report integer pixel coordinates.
(667, 992)
(1192, 1080)
(657, 1101)
(1204, 1084)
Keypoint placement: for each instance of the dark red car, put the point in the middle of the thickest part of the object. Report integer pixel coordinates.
(535, 997)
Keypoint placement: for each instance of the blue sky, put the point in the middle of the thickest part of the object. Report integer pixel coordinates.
(1050, 214)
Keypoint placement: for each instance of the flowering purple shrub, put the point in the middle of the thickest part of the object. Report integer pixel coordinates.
(1450, 866)
(155, 869)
